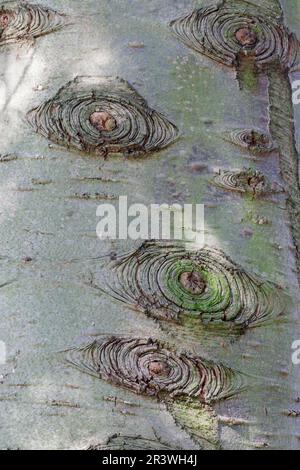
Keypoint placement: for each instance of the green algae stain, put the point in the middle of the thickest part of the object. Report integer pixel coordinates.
(248, 76)
(198, 420)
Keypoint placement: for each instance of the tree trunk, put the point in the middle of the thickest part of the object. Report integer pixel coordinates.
(50, 250)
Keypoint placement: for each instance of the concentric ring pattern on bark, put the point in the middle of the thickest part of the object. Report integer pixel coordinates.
(247, 181)
(167, 282)
(146, 367)
(102, 115)
(226, 31)
(119, 442)
(252, 140)
(22, 20)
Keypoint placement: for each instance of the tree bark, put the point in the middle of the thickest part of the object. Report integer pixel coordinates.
(49, 247)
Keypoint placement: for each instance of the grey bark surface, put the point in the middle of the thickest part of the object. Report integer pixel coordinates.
(49, 246)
